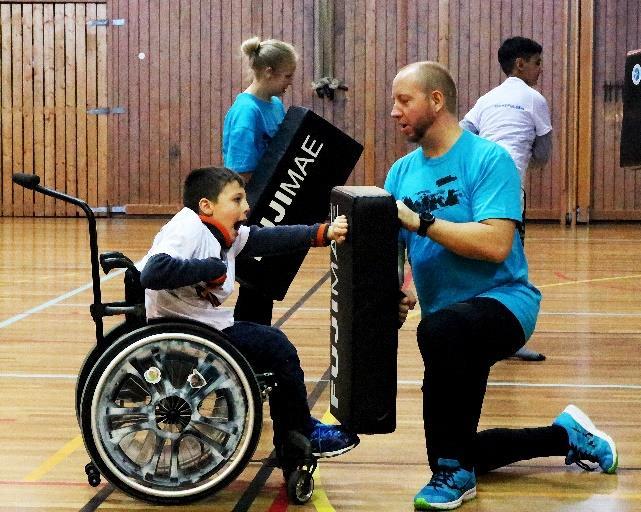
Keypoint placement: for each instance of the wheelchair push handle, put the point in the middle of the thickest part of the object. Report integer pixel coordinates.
(32, 182)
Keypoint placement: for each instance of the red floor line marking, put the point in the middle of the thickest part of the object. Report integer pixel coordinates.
(281, 502)
(560, 275)
(48, 484)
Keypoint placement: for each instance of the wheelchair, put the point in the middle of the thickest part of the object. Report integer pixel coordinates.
(170, 412)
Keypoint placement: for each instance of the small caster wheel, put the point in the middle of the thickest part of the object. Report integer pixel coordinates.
(93, 475)
(90, 468)
(300, 487)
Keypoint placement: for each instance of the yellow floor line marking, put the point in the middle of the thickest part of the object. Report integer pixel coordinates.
(319, 498)
(582, 281)
(328, 418)
(54, 460)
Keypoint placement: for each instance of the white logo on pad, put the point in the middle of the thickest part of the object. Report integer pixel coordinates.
(636, 74)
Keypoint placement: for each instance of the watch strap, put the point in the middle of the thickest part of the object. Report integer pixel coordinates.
(425, 221)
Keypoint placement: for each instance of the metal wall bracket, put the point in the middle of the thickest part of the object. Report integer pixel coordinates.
(582, 215)
(105, 23)
(105, 110)
(108, 209)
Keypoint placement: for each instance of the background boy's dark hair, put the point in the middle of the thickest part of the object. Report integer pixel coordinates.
(207, 182)
(516, 47)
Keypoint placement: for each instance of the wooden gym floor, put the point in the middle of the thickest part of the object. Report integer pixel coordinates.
(589, 328)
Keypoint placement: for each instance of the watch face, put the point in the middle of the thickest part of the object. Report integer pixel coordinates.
(425, 221)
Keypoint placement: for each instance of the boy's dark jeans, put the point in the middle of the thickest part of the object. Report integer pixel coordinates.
(267, 349)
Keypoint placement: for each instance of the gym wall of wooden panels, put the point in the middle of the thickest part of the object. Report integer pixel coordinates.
(174, 67)
(177, 96)
(52, 69)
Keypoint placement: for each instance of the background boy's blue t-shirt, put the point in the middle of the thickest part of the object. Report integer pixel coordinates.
(249, 126)
(474, 181)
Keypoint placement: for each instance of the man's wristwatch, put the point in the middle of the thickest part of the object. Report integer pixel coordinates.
(425, 221)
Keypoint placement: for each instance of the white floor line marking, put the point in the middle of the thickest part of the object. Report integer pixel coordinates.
(499, 384)
(66, 376)
(77, 305)
(588, 281)
(52, 302)
(526, 384)
(548, 313)
(587, 313)
(55, 376)
(587, 240)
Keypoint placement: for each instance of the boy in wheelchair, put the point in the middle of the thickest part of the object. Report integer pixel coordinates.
(189, 272)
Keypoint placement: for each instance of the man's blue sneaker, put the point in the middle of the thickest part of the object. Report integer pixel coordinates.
(586, 441)
(331, 440)
(448, 488)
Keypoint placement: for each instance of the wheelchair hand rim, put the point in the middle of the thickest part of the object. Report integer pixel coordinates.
(238, 451)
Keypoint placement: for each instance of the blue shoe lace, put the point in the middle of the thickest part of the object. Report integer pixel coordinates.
(443, 478)
(586, 442)
(577, 455)
(449, 486)
(330, 440)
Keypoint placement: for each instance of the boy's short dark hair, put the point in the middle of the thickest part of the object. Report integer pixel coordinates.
(207, 182)
(516, 47)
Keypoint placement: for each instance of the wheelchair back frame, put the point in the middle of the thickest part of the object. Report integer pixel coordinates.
(133, 305)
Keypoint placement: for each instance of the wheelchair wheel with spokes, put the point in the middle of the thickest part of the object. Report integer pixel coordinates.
(92, 357)
(171, 413)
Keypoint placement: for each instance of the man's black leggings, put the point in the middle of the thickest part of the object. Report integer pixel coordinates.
(459, 345)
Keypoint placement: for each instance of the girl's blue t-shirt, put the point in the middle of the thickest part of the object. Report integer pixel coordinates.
(474, 181)
(249, 126)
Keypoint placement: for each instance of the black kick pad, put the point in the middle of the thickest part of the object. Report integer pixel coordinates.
(291, 185)
(631, 126)
(364, 311)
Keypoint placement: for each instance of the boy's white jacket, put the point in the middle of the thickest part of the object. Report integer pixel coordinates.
(185, 237)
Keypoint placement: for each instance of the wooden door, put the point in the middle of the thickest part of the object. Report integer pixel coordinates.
(616, 191)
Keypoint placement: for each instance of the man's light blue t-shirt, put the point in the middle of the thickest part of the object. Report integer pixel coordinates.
(474, 181)
(249, 126)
